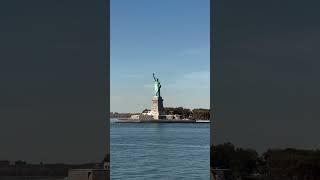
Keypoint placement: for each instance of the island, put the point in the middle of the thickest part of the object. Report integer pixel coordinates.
(159, 114)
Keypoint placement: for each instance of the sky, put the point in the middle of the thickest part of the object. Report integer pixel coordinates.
(169, 38)
(266, 77)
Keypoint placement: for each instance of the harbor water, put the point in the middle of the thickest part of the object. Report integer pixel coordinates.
(159, 151)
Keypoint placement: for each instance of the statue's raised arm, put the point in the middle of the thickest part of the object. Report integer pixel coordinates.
(154, 77)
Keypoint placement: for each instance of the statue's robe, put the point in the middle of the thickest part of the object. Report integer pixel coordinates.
(157, 88)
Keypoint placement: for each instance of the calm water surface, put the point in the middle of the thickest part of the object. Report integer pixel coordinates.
(159, 151)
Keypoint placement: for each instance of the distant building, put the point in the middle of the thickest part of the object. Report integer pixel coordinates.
(148, 113)
(175, 116)
(135, 116)
(169, 116)
(145, 117)
(4, 163)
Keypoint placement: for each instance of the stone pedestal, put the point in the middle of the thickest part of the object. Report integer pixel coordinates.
(157, 109)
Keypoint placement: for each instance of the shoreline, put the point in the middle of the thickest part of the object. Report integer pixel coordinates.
(128, 120)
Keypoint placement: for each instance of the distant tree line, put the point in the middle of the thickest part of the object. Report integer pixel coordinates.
(119, 115)
(273, 164)
(203, 114)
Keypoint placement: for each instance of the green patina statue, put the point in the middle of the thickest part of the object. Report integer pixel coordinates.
(157, 86)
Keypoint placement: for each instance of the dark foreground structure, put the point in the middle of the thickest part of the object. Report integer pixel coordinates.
(88, 174)
(23, 170)
(229, 162)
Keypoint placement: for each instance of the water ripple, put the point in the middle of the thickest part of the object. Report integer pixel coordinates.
(159, 151)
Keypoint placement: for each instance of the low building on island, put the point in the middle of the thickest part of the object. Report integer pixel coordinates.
(135, 116)
(175, 116)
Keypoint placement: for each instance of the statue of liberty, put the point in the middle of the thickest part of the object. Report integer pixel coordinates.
(157, 86)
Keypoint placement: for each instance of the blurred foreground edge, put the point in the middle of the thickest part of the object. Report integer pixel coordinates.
(88, 174)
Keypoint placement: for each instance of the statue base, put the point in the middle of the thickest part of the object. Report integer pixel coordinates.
(157, 110)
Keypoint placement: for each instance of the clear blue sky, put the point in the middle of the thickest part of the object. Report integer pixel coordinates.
(167, 37)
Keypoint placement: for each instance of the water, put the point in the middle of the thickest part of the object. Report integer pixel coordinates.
(159, 151)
